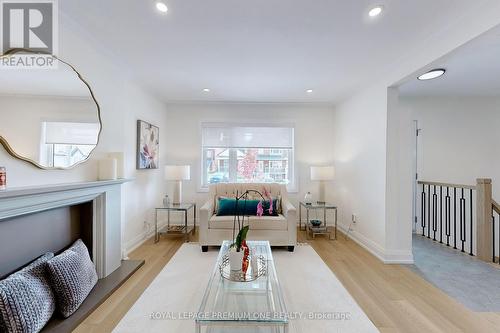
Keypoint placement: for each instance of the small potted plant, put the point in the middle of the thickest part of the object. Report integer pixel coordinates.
(239, 250)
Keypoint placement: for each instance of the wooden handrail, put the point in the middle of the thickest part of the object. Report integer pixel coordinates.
(496, 206)
(470, 187)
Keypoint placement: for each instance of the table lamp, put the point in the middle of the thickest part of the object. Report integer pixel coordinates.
(177, 173)
(322, 174)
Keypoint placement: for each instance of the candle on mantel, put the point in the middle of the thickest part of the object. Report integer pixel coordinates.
(107, 169)
(3, 178)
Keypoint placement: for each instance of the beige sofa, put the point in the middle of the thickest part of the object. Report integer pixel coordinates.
(279, 230)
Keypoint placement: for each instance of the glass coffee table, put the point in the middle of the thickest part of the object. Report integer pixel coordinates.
(255, 306)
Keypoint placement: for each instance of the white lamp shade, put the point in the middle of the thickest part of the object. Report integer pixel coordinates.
(177, 172)
(322, 173)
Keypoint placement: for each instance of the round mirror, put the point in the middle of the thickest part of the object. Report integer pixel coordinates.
(48, 117)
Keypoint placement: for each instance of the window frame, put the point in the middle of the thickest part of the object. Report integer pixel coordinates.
(203, 185)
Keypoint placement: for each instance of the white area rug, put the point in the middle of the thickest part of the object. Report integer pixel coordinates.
(309, 286)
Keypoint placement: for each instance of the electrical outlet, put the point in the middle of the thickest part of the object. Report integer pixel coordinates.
(354, 218)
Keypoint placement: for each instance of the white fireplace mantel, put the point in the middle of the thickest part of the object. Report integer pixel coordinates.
(106, 199)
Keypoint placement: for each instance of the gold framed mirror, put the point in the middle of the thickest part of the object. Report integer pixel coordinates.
(48, 117)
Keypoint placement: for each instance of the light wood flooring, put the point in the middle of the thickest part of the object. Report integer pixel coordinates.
(393, 297)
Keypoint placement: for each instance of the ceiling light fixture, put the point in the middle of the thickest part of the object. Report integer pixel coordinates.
(309, 91)
(432, 74)
(161, 6)
(206, 90)
(376, 11)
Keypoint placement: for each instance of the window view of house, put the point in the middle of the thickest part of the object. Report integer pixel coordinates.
(264, 165)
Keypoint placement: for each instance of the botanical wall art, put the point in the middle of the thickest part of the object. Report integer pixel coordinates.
(148, 145)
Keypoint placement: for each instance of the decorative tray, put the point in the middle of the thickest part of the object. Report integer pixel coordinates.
(258, 269)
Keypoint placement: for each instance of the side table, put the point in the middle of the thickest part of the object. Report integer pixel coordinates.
(176, 229)
(323, 228)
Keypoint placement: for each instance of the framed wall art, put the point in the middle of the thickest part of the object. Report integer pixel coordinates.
(148, 145)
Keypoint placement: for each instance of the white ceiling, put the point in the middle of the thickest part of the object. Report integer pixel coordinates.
(471, 70)
(260, 50)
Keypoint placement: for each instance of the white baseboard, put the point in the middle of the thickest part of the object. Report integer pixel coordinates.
(387, 257)
(140, 239)
(137, 241)
(398, 257)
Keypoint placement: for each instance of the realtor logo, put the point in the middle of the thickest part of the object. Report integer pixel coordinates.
(29, 25)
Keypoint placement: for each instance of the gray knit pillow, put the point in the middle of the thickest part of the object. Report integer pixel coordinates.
(73, 276)
(26, 299)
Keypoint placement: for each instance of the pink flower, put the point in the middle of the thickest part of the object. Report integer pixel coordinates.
(260, 209)
(268, 195)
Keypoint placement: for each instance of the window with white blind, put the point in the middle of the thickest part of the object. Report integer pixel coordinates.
(247, 154)
(66, 143)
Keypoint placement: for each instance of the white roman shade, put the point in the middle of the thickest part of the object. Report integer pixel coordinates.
(71, 133)
(228, 136)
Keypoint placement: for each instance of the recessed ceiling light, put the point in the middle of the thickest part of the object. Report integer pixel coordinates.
(433, 74)
(309, 91)
(206, 90)
(376, 11)
(161, 6)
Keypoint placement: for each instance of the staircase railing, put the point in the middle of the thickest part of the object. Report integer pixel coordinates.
(495, 215)
(459, 216)
(447, 214)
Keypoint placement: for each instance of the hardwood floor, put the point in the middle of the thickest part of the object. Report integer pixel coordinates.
(392, 296)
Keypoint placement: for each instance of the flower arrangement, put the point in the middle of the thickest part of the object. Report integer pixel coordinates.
(239, 245)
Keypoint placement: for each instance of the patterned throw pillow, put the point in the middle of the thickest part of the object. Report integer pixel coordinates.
(73, 276)
(266, 205)
(26, 299)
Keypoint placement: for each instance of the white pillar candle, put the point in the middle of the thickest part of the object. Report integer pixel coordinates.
(120, 163)
(107, 169)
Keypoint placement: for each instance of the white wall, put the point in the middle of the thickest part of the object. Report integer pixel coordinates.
(459, 138)
(313, 137)
(359, 150)
(122, 103)
(383, 195)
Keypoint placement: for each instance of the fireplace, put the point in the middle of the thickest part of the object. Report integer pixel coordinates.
(22, 209)
(52, 230)
(36, 220)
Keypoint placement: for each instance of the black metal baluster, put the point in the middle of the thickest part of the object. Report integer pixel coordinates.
(447, 215)
(498, 237)
(454, 217)
(429, 211)
(434, 213)
(463, 236)
(471, 220)
(440, 214)
(422, 208)
(493, 226)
